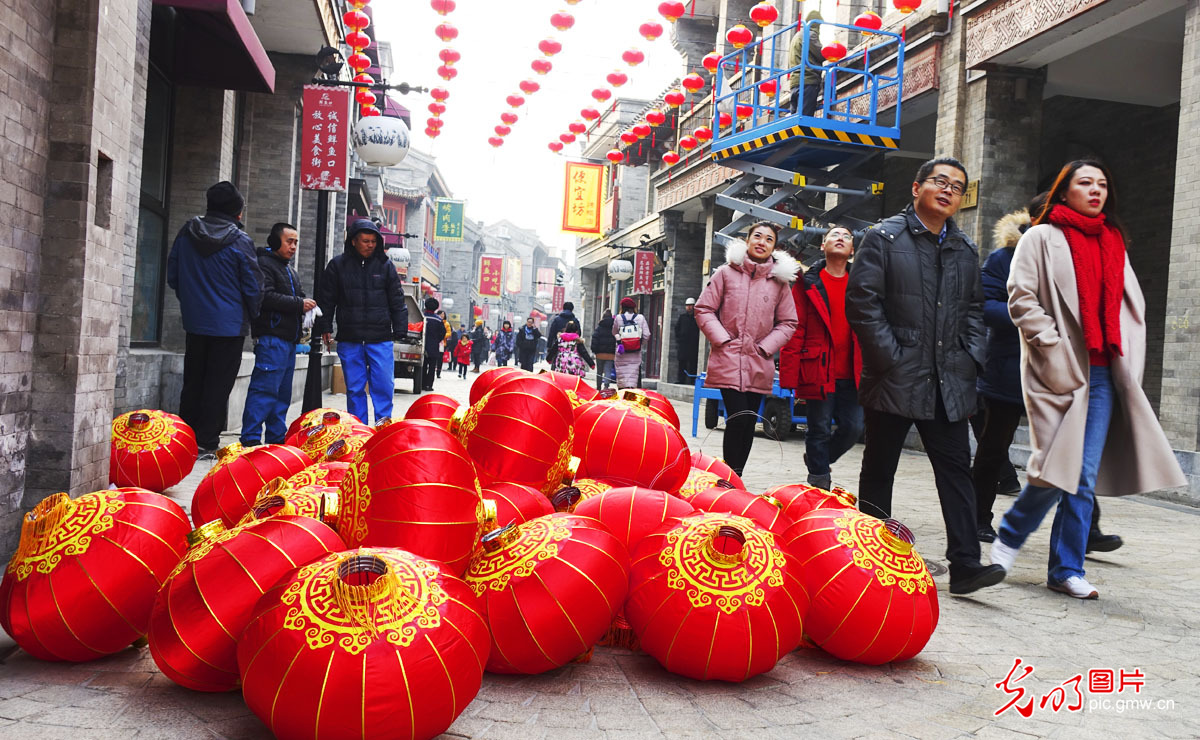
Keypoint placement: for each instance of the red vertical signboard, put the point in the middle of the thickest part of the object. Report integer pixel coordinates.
(643, 272)
(560, 297)
(491, 270)
(325, 162)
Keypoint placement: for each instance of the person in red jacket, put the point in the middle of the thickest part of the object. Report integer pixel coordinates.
(462, 355)
(822, 362)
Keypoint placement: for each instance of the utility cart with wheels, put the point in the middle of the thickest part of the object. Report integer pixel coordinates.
(778, 411)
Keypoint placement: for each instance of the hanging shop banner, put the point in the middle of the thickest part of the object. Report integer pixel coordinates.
(512, 282)
(560, 297)
(545, 279)
(325, 164)
(643, 272)
(581, 199)
(491, 271)
(449, 220)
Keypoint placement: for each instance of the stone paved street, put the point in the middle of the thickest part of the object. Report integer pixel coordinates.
(1145, 620)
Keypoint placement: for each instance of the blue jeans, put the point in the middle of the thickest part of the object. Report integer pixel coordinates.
(822, 445)
(606, 373)
(1073, 520)
(270, 392)
(368, 367)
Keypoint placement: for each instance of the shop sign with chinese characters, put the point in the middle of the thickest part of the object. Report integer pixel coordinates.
(643, 272)
(449, 220)
(491, 271)
(581, 198)
(325, 162)
(560, 297)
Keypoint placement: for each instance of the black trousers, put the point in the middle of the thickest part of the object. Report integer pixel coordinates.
(687, 364)
(429, 370)
(949, 452)
(525, 360)
(741, 416)
(210, 368)
(1000, 421)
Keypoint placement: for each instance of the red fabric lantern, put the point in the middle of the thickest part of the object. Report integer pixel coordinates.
(713, 597)
(655, 117)
(601, 94)
(550, 589)
(672, 10)
(616, 79)
(358, 61)
(724, 119)
(674, 98)
(434, 123)
(437, 109)
(641, 130)
(562, 20)
(434, 407)
(320, 474)
(508, 117)
(700, 480)
(442, 7)
(798, 499)
(833, 52)
(365, 78)
(630, 444)
(768, 88)
(650, 30)
(519, 432)
(628, 137)
(413, 487)
(432, 132)
(516, 504)
(866, 22)
(356, 20)
(549, 47)
(744, 111)
(566, 138)
(739, 36)
(317, 501)
(703, 133)
(555, 146)
(529, 87)
(688, 143)
(439, 94)
(692, 82)
(577, 127)
(765, 512)
(615, 156)
(150, 449)
(718, 466)
(228, 490)
(764, 14)
(495, 141)
(449, 56)
(489, 379)
(82, 581)
(873, 600)
(447, 72)
(446, 32)
(633, 57)
(358, 40)
(502, 130)
(578, 391)
(632, 513)
(541, 66)
(670, 158)
(589, 114)
(209, 597)
(314, 440)
(344, 450)
(711, 61)
(589, 487)
(388, 614)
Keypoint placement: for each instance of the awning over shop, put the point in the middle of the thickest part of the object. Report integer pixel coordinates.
(215, 46)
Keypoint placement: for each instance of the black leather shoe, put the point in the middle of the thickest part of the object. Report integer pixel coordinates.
(986, 534)
(965, 579)
(1104, 542)
(1009, 487)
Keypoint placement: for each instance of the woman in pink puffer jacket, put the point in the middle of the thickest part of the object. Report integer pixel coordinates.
(748, 314)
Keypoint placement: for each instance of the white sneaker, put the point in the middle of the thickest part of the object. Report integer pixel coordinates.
(1003, 555)
(1076, 586)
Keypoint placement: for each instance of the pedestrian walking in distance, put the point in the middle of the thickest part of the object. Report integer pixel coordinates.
(632, 332)
(462, 354)
(604, 347)
(1081, 316)
(506, 343)
(527, 344)
(687, 342)
(435, 332)
(747, 313)
(572, 357)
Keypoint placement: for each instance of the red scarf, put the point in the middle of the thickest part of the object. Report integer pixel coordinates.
(1092, 240)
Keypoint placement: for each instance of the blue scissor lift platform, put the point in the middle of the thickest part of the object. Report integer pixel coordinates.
(791, 162)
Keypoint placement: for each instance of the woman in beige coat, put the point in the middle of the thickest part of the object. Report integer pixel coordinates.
(1081, 317)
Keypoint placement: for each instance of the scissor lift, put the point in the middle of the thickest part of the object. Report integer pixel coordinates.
(792, 162)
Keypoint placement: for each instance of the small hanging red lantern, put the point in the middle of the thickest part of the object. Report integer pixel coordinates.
(711, 61)
(363, 96)
(356, 20)
(437, 109)
(744, 111)
(496, 141)
(688, 143)
(529, 87)
(650, 30)
(906, 6)
(432, 133)
(446, 32)
(655, 117)
(675, 98)
(478, 311)
(150, 449)
(447, 73)
(739, 36)
(516, 504)
(724, 119)
(369, 111)
(515, 101)
(229, 489)
(633, 57)
(364, 78)
(502, 130)
(541, 66)
(442, 7)
(703, 133)
(439, 94)
(562, 20)
(577, 127)
(549, 47)
(615, 156)
(672, 10)
(628, 137)
(764, 14)
(508, 118)
(567, 138)
(617, 78)
(359, 4)
(601, 94)
(358, 61)
(641, 130)
(692, 82)
(358, 40)
(768, 88)
(555, 146)
(589, 114)
(867, 22)
(718, 466)
(833, 52)
(670, 158)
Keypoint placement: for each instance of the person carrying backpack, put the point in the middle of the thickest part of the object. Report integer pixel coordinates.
(632, 332)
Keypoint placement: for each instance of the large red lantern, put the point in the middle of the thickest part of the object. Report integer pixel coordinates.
(650, 30)
(413, 487)
(873, 600)
(401, 620)
(550, 589)
(765, 511)
(589, 487)
(489, 379)
(529, 87)
(700, 480)
(320, 474)
(562, 20)
(82, 581)
(739, 36)
(798, 499)
(319, 416)
(316, 501)
(358, 61)
(632, 513)
(446, 32)
(672, 10)
(578, 391)
(567, 138)
(370, 111)
(712, 596)
(718, 466)
(764, 14)
(208, 599)
(630, 444)
(549, 47)
(315, 440)
(520, 432)
(508, 118)
(150, 449)
(640, 130)
(433, 123)
(434, 407)
(228, 490)
(516, 504)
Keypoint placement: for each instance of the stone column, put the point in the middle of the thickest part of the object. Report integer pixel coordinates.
(952, 82)
(686, 242)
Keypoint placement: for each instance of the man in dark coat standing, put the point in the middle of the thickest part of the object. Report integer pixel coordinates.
(687, 342)
(276, 332)
(214, 272)
(557, 324)
(527, 344)
(915, 301)
(435, 332)
(361, 287)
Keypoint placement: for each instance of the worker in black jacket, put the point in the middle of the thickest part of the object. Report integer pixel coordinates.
(361, 288)
(276, 330)
(435, 332)
(915, 300)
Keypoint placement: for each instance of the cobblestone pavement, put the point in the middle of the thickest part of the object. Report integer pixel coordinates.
(1145, 621)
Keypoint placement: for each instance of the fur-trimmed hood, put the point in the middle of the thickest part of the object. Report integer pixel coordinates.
(1009, 229)
(786, 266)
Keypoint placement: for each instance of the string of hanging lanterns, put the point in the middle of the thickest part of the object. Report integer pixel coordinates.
(448, 56)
